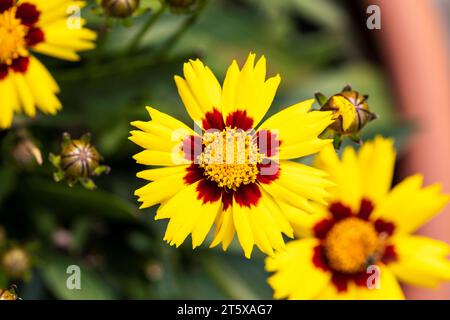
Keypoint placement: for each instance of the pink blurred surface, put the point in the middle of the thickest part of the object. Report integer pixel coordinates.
(414, 45)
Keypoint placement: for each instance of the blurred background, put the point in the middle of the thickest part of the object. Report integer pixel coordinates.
(319, 45)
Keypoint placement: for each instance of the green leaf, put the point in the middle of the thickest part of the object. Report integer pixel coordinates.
(77, 200)
(55, 276)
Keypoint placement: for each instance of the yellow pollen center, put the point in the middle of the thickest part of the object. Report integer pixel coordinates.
(12, 37)
(350, 244)
(230, 157)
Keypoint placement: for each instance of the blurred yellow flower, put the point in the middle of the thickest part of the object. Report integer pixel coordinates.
(228, 174)
(360, 245)
(44, 27)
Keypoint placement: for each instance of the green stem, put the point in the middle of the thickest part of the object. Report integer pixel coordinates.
(226, 279)
(169, 44)
(150, 22)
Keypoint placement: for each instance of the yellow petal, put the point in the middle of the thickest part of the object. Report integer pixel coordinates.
(295, 276)
(409, 205)
(154, 174)
(345, 173)
(56, 52)
(25, 95)
(421, 261)
(259, 235)
(9, 102)
(302, 222)
(305, 185)
(296, 125)
(228, 100)
(42, 87)
(199, 90)
(225, 230)
(376, 159)
(243, 228)
(160, 158)
(160, 190)
(186, 211)
(389, 288)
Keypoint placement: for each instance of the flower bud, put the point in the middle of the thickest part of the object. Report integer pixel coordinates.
(351, 112)
(26, 154)
(79, 160)
(154, 271)
(16, 262)
(120, 8)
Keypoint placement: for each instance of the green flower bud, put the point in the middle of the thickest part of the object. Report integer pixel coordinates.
(120, 8)
(79, 160)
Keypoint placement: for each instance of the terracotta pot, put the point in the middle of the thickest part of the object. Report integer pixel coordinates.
(414, 46)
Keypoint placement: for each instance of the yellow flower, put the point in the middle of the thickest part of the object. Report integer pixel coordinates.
(228, 174)
(43, 27)
(360, 245)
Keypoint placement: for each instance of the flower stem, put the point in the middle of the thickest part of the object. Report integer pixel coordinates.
(168, 45)
(150, 22)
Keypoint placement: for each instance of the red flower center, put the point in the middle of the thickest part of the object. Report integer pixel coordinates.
(230, 160)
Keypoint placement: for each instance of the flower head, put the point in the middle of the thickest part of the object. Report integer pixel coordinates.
(43, 27)
(231, 172)
(360, 245)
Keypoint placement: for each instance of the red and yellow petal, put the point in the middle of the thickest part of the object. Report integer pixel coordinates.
(63, 36)
(298, 185)
(162, 138)
(389, 288)
(247, 89)
(199, 90)
(298, 129)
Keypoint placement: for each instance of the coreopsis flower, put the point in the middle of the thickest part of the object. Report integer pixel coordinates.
(35, 26)
(360, 246)
(228, 174)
